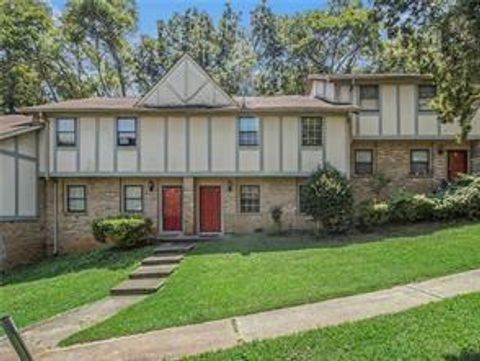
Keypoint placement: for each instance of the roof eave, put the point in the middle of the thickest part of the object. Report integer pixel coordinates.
(20, 131)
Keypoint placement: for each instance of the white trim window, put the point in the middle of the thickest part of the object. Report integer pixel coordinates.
(420, 162)
(248, 131)
(363, 161)
(425, 95)
(126, 132)
(66, 132)
(369, 97)
(249, 199)
(312, 131)
(76, 198)
(133, 199)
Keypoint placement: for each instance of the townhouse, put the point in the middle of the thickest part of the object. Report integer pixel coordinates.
(198, 161)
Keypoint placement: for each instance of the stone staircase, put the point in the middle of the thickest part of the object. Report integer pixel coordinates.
(154, 270)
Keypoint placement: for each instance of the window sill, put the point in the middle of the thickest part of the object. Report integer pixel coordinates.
(363, 176)
(312, 147)
(418, 176)
(248, 147)
(127, 147)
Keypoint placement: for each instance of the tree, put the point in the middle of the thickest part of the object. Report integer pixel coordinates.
(100, 29)
(149, 64)
(270, 76)
(23, 53)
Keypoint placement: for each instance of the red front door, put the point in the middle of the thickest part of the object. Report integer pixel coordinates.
(172, 208)
(210, 209)
(457, 163)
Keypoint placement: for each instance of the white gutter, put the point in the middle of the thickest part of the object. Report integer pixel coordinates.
(55, 218)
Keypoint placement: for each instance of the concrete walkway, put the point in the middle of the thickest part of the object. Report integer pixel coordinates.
(46, 335)
(178, 342)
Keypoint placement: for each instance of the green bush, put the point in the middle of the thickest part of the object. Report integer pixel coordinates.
(406, 207)
(124, 231)
(371, 214)
(461, 200)
(329, 199)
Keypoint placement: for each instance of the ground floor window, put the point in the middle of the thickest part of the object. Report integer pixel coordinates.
(363, 161)
(420, 162)
(133, 198)
(302, 199)
(249, 199)
(76, 198)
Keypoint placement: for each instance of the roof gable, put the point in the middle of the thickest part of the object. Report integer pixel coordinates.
(186, 84)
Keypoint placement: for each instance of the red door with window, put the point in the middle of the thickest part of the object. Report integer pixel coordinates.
(172, 209)
(210, 209)
(457, 163)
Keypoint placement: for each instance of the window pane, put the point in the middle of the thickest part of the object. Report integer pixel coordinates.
(76, 192)
(427, 91)
(66, 125)
(420, 156)
(126, 125)
(363, 168)
(133, 192)
(369, 92)
(133, 205)
(419, 168)
(249, 124)
(76, 205)
(127, 139)
(66, 139)
(364, 156)
(250, 199)
(303, 198)
(248, 131)
(312, 131)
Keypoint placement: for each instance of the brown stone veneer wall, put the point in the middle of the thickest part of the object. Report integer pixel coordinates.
(24, 241)
(392, 159)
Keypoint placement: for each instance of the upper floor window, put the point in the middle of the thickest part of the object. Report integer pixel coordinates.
(311, 131)
(66, 132)
(369, 97)
(249, 129)
(420, 162)
(425, 95)
(363, 161)
(133, 198)
(249, 199)
(76, 198)
(126, 131)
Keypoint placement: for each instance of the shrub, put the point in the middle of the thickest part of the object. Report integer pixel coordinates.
(329, 199)
(461, 200)
(371, 214)
(276, 212)
(124, 231)
(407, 207)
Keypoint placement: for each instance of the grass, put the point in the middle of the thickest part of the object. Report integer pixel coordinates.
(36, 292)
(447, 331)
(247, 274)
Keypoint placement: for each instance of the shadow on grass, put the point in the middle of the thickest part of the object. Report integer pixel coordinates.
(103, 258)
(261, 242)
(465, 355)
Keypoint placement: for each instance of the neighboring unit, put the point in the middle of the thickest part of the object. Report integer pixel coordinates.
(198, 161)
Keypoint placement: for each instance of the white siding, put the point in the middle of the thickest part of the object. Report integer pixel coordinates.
(177, 144)
(407, 109)
(27, 144)
(42, 150)
(311, 159)
(66, 160)
(249, 160)
(152, 135)
(7, 144)
(127, 160)
(368, 124)
(224, 139)
(106, 145)
(198, 144)
(389, 109)
(427, 124)
(337, 143)
(86, 126)
(27, 188)
(290, 144)
(7, 185)
(271, 138)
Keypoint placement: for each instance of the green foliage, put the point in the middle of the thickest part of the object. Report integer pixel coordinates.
(407, 207)
(372, 214)
(125, 231)
(329, 199)
(460, 200)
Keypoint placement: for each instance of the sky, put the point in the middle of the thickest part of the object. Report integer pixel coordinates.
(152, 10)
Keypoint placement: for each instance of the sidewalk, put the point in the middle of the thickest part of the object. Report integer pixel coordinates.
(193, 339)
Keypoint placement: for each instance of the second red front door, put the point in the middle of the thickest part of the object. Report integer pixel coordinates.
(172, 209)
(457, 163)
(210, 209)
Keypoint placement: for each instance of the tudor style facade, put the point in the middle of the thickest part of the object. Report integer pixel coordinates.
(196, 160)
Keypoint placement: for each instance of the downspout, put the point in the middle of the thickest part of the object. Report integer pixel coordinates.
(55, 217)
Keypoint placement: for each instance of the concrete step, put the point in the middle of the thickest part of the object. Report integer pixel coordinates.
(163, 259)
(139, 286)
(153, 271)
(173, 248)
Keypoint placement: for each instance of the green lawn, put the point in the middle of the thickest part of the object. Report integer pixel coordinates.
(39, 291)
(448, 331)
(247, 274)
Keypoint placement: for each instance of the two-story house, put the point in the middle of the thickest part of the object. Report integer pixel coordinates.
(198, 161)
